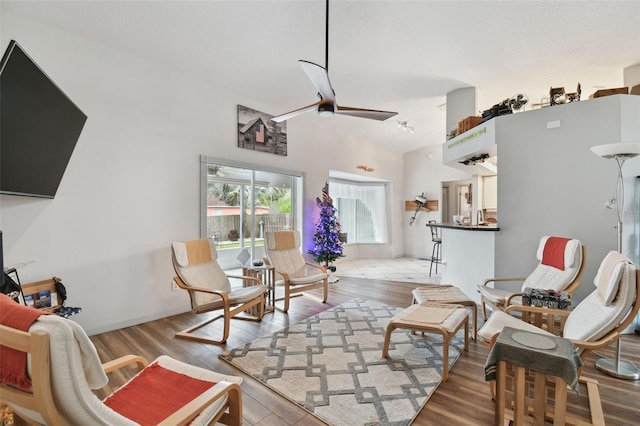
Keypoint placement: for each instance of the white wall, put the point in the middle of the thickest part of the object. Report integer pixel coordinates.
(461, 103)
(550, 183)
(132, 185)
(631, 76)
(424, 174)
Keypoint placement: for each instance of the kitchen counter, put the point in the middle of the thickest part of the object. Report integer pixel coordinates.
(489, 227)
(468, 256)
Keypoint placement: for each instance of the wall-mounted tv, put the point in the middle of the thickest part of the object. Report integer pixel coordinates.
(39, 127)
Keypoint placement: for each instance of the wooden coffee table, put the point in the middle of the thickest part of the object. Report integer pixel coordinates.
(444, 319)
(446, 293)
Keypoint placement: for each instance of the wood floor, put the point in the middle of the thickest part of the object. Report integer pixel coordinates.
(462, 400)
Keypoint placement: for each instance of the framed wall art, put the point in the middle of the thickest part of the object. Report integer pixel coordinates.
(257, 132)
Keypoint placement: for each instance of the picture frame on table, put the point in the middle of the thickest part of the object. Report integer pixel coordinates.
(12, 286)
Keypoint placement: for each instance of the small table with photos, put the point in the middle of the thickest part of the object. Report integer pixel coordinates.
(267, 275)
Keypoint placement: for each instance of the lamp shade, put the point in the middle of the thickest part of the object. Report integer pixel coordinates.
(612, 150)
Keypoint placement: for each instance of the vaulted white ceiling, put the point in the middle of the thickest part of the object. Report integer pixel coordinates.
(401, 56)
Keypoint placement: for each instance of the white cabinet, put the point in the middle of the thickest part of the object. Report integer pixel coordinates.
(490, 193)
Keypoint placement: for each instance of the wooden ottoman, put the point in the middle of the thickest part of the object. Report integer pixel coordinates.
(445, 319)
(446, 294)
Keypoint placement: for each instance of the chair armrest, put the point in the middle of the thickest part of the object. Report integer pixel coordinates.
(597, 344)
(285, 276)
(314, 265)
(507, 300)
(538, 309)
(549, 319)
(183, 286)
(186, 414)
(495, 280)
(125, 361)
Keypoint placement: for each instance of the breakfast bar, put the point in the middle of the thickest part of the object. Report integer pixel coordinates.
(468, 255)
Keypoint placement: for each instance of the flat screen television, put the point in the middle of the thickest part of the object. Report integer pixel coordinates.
(1, 261)
(39, 127)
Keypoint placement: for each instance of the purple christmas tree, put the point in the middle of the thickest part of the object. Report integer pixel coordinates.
(327, 246)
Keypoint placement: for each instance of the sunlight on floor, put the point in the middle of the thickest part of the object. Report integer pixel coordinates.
(405, 269)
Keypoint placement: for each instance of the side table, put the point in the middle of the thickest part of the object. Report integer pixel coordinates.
(536, 362)
(267, 275)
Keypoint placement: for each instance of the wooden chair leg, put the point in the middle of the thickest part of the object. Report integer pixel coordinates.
(519, 385)
(188, 333)
(287, 298)
(233, 417)
(560, 407)
(387, 339)
(500, 384)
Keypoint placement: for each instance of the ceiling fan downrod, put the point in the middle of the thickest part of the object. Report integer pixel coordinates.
(326, 40)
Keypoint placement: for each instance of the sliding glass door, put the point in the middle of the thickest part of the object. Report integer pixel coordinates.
(241, 202)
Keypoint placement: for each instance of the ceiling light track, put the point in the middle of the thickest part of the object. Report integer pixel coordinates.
(405, 127)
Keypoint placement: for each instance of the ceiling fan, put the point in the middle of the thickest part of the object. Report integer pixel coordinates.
(327, 105)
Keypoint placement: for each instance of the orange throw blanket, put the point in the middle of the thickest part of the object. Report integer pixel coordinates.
(155, 394)
(553, 253)
(13, 363)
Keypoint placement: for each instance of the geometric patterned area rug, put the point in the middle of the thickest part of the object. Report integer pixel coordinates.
(330, 364)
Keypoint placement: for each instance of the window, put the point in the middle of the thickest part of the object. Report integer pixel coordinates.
(241, 202)
(362, 210)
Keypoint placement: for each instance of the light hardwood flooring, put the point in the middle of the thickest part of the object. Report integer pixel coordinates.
(462, 400)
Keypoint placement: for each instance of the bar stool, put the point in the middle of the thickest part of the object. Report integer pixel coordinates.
(436, 253)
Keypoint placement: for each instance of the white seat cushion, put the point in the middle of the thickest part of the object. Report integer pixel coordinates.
(543, 276)
(236, 296)
(196, 264)
(497, 295)
(592, 318)
(284, 253)
(608, 277)
(549, 277)
(498, 320)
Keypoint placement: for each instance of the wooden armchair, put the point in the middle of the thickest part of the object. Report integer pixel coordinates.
(199, 273)
(594, 323)
(55, 387)
(292, 271)
(562, 275)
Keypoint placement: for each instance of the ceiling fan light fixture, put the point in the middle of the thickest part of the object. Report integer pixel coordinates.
(325, 110)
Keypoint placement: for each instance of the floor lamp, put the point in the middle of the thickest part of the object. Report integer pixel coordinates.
(619, 152)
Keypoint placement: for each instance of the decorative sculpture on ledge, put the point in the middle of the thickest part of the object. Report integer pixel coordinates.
(420, 201)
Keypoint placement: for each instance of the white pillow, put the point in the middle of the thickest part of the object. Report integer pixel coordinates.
(180, 252)
(607, 279)
(572, 251)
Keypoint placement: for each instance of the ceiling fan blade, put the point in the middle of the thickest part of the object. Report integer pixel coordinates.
(282, 117)
(365, 113)
(320, 79)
